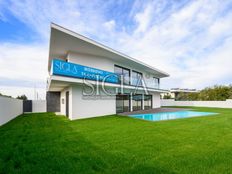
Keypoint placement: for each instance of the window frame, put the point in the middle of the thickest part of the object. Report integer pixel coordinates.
(137, 102)
(122, 98)
(137, 72)
(156, 78)
(151, 99)
(123, 68)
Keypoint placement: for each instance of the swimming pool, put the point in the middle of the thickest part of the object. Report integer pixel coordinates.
(171, 115)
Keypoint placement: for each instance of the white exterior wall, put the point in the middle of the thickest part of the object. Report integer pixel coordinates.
(9, 109)
(86, 108)
(156, 100)
(217, 104)
(105, 64)
(91, 61)
(39, 106)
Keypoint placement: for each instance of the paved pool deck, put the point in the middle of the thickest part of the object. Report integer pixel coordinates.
(155, 110)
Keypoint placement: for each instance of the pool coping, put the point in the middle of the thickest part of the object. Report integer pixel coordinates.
(155, 110)
(188, 117)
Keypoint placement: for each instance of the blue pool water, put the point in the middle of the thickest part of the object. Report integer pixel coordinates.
(171, 115)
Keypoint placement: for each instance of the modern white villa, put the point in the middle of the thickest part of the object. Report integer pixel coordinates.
(88, 79)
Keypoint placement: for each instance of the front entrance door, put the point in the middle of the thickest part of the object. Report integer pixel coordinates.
(67, 103)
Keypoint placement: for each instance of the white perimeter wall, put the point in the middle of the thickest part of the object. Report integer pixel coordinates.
(9, 109)
(39, 106)
(216, 104)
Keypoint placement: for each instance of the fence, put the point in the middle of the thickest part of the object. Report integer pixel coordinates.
(9, 109)
(39, 106)
(216, 104)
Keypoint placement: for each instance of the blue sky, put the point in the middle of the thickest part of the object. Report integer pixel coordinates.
(191, 40)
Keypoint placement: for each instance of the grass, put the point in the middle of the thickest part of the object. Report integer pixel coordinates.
(45, 143)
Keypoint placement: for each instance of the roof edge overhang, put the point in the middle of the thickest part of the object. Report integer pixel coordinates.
(97, 44)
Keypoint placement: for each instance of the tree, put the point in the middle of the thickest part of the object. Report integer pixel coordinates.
(5, 95)
(182, 96)
(230, 92)
(219, 93)
(22, 97)
(167, 96)
(216, 93)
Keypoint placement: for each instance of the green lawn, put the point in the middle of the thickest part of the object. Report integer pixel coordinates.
(45, 143)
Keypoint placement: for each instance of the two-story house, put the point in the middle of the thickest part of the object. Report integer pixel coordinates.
(89, 79)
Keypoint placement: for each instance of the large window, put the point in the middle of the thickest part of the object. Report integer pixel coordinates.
(137, 78)
(156, 82)
(137, 102)
(147, 101)
(122, 103)
(123, 73)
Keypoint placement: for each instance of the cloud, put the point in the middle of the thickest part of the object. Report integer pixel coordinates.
(110, 25)
(143, 19)
(190, 44)
(191, 40)
(82, 17)
(38, 14)
(2, 16)
(23, 66)
(215, 68)
(31, 93)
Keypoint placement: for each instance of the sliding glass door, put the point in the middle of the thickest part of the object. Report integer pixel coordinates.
(122, 103)
(147, 102)
(137, 102)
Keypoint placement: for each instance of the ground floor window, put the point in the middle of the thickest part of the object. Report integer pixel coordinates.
(122, 103)
(147, 101)
(137, 102)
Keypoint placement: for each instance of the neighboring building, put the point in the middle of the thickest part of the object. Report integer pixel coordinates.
(174, 92)
(79, 66)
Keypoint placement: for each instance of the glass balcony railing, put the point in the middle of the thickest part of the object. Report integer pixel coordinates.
(63, 68)
(152, 85)
(145, 83)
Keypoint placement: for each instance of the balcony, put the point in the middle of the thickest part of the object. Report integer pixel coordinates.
(152, 85)
(75, 73)
(145, 83)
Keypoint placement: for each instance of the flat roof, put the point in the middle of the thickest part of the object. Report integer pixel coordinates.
(63, 41)
(183, 90)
